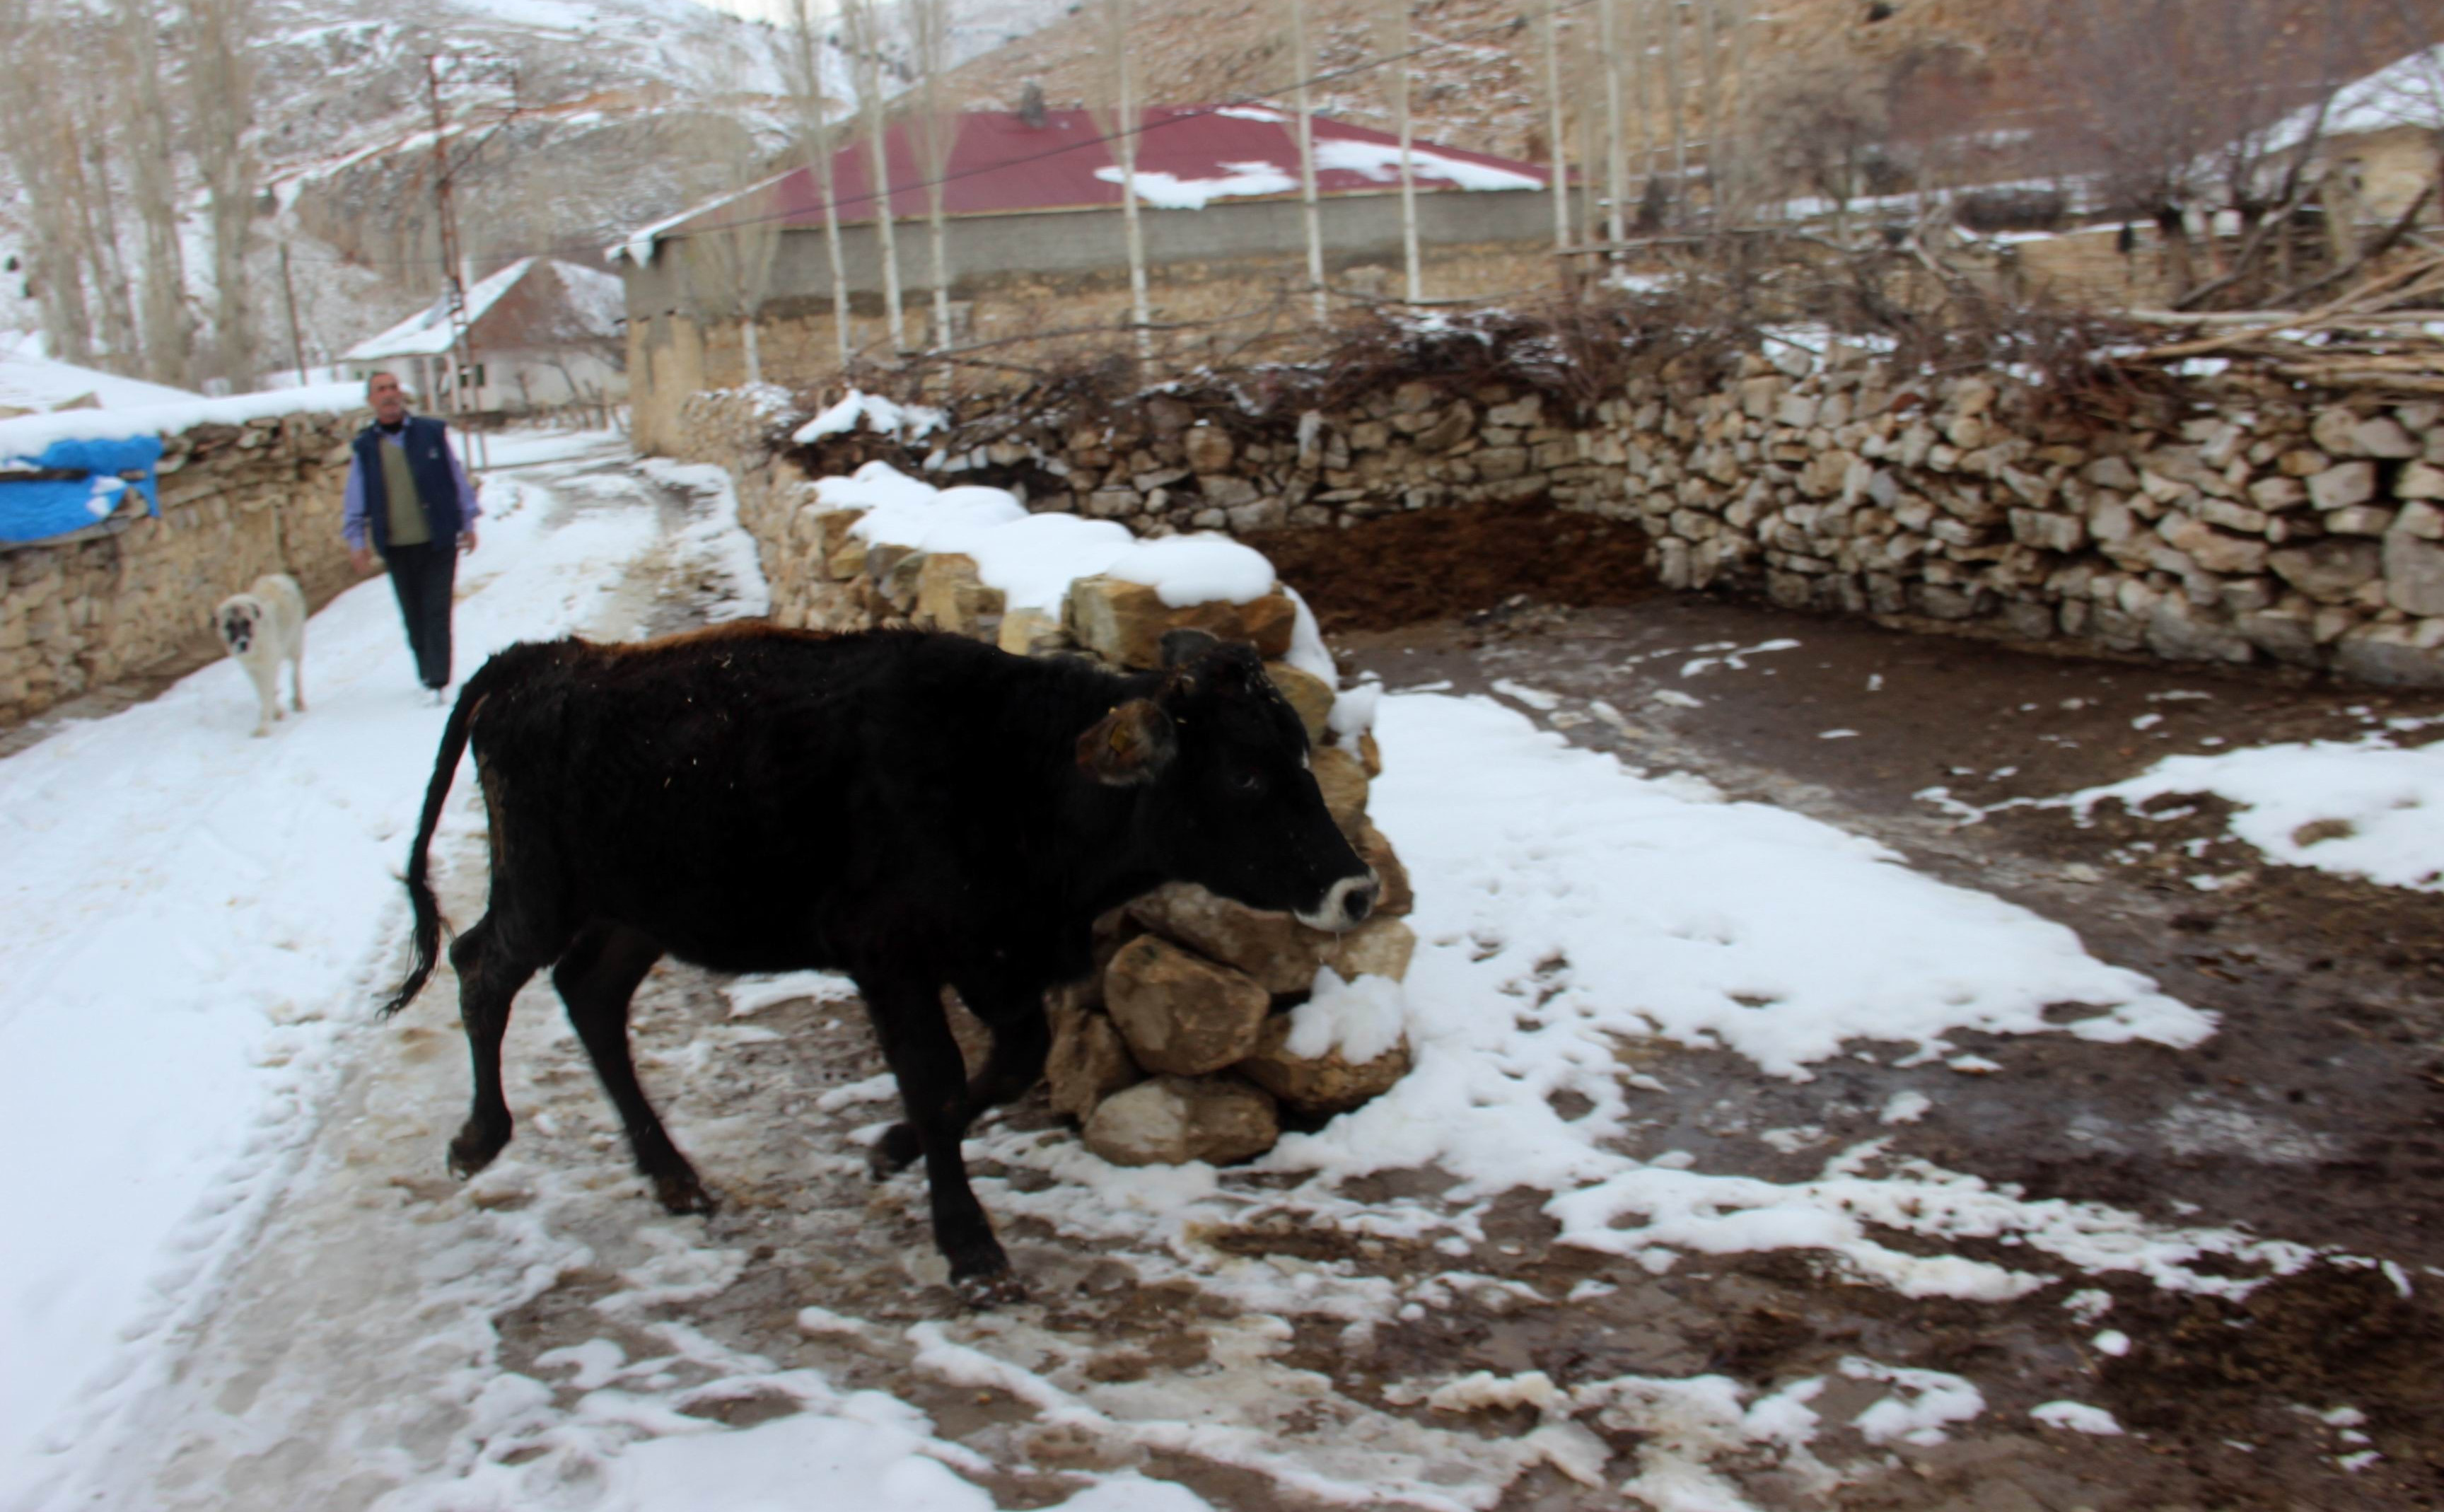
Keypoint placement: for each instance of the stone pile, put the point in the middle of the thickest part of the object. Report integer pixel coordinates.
(237, 500)
(1183, 1044)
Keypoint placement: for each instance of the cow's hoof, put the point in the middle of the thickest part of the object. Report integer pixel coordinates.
(895, 1151)
(681, 1192)
(987, 1290)
(474, 1149)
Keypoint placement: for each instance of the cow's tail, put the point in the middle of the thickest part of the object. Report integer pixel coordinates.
(424, 947)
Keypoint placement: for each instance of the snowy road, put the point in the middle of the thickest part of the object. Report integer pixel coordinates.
(193, 918)
(1508, 1283)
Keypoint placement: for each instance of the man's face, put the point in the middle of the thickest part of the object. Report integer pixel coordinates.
(390, 404)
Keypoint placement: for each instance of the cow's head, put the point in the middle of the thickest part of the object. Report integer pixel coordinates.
(237, 619)
(1229, 802)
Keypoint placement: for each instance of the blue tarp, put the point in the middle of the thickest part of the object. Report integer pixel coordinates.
(37, 510)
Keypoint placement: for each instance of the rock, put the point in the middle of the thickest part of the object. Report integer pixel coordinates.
(2338, 488)
(950, 597)
(2279, 492)
(2329, 571)
(1323, 1084)
(1227, 491)
(1208, 450)
(2358, 519)
(1381, 947)
(1179, 1012)
(2421, 480)
(1172, 1120)
(1088, 1061)
(1397, 899)
(2414, 574)
(1309, 695)
(1275, 950)
(1031, 633)
(2114, 473)
(1168, 415)
(2180, 631)
(2381, 435)
(1113, 504)
(1455, 426)
(2335, 432)
(2049, 531)
(2211, 549)
(2422, 520)
(1344, 781)
(2390, 655)
(1125, 622)
(1265, 514)
(1370, 754)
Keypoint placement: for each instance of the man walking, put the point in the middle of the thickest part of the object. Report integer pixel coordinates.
(409, 499)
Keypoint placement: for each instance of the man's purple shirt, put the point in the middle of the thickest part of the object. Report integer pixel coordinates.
(352, 521)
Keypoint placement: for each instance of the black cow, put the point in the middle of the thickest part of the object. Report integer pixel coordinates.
(915, 810)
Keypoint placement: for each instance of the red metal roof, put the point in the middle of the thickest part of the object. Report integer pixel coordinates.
(1186, 153)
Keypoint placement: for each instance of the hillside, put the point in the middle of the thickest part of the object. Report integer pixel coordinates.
(1483, 91)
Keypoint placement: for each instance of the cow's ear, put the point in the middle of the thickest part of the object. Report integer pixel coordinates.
(1130, 744)
(1184, 645)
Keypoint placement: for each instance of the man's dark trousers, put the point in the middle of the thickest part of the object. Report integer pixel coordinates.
(424, 577)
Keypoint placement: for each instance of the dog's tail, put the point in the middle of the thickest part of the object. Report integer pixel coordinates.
(424, 946)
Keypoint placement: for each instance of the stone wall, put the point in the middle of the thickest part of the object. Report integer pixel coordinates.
(2230, 518)
(237, 500)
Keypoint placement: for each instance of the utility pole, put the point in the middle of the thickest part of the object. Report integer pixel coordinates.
(453, 289)
(288, 293)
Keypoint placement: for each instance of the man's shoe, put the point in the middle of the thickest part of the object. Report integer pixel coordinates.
(436, 696)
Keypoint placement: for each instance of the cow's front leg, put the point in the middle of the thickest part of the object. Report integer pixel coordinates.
(1020, 1040)
(924, 1056)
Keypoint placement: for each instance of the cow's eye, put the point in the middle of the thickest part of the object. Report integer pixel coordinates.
(1249, 782)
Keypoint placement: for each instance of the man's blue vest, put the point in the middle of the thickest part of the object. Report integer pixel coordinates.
(428, 462)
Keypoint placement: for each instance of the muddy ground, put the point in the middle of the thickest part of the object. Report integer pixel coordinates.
(2315, 1116)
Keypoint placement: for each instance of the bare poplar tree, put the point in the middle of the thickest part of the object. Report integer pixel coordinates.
(98, 216)
(220, 109)
(2169, 147)
(1395, 43)
(1121, 125)
(1302, 69)
(1549, 27)
(864, 29)
(40, 149)
(1676, 105)
(732, 249)
(153, 180)
(1615, 163)
(813, 102)
(936, 135)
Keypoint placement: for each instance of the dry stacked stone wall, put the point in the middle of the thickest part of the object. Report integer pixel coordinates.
(2232, 519)
(237, 500)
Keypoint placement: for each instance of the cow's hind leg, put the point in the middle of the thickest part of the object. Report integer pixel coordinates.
(489, 974)
(924, 1059)
(1021, 1039)
(596, 979)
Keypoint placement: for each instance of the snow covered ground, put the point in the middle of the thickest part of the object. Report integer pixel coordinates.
(253, 1286)
(192, 921)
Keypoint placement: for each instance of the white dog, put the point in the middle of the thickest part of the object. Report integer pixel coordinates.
(262, 628)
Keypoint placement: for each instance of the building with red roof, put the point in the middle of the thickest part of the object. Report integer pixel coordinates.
(1035, 244)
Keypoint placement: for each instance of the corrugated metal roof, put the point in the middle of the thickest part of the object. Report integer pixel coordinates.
(1188, 155)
